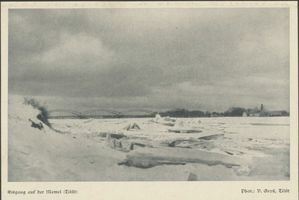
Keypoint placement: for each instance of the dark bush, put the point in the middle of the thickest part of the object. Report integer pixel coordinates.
(43, 115)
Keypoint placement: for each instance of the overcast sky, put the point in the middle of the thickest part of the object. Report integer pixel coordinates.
(208, 59)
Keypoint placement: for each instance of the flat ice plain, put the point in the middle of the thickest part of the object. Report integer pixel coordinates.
(147, 149)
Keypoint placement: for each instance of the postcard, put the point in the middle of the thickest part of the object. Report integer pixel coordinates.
(149, 100)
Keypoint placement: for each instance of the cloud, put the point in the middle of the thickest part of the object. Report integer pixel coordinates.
(77, 52)
(193, 58)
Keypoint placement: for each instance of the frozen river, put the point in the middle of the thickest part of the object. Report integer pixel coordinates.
(263, 143)
(147, 149)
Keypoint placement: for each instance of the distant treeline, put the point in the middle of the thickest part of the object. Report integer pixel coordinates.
(231, 112)
(192, 113)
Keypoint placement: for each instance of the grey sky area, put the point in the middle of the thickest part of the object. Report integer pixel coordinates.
(207, 59)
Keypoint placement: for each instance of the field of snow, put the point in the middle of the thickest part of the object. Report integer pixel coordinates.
(146, 149)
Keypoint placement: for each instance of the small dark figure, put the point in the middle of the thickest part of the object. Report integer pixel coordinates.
(36, 125)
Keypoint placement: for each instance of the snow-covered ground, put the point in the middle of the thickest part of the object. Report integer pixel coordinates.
(145, 149)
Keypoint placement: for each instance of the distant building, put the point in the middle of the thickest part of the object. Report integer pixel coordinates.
(264, 113)
(278, 113)
(255, 112)
(254, 115)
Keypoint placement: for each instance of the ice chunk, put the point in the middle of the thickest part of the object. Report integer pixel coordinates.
(132, 126)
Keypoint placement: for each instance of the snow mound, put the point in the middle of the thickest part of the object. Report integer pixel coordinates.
(46, 155)
(167, 121)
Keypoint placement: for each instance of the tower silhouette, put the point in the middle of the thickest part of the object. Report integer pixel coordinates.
(262, 107)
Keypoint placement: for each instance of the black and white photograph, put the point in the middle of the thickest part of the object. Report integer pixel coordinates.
(148, 94)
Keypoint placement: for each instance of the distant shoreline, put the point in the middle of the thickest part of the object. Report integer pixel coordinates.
(129, 117)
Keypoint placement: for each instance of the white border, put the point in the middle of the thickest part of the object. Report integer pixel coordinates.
(212, 190)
